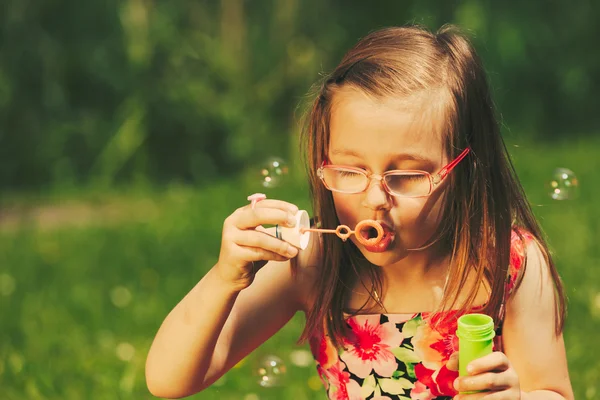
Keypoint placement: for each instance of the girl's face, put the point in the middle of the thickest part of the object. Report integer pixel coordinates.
(379, 135)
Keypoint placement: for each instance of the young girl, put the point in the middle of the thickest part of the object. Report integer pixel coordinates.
(403, 132)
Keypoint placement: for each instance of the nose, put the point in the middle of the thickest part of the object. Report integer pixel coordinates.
(376, 197)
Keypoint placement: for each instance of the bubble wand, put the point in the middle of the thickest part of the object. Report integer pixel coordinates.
(344, 232)
(299, 234)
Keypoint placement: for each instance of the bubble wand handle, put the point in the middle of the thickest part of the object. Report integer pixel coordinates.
(344, 231)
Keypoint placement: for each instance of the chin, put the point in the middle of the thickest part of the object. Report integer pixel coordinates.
(381, 259)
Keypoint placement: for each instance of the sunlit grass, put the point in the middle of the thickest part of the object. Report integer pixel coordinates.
(82, 297)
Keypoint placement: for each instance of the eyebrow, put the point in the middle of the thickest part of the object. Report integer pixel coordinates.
(399, 156)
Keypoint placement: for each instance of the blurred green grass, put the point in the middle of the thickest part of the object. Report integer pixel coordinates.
(82, 295)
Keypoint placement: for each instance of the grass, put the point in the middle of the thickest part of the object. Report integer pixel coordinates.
(82, 295)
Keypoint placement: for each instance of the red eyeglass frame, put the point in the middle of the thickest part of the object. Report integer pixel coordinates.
(434, 179)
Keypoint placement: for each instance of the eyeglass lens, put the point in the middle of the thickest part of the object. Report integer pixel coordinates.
(404, 184)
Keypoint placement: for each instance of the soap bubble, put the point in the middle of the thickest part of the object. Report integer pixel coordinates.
(271, 371)
(273, 171)
(563, 185)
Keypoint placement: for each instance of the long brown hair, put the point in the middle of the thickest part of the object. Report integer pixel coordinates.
(485, 201)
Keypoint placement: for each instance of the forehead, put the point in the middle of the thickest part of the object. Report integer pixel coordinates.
(381, 128)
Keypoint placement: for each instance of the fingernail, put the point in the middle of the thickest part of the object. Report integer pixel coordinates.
(294, 210)
(456, 383)
(470, 369)
(291, 220)
(292, 251)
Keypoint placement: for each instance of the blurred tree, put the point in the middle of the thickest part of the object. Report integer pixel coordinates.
(104, 92)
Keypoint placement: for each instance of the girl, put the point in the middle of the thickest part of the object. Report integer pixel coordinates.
(403, 132)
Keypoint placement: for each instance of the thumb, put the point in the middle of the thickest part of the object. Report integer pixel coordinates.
(452, 363)
(257, 265)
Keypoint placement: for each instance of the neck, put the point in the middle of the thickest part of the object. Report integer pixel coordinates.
(417, 266)
(414, 283)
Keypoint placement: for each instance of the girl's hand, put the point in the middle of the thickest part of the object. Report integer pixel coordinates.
(494, 375)
(245, 249)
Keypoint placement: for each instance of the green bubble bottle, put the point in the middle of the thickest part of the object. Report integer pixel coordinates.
(475, 339)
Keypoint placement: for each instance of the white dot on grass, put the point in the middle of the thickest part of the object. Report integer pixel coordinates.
(597, 301)
(301, 358)
(220, 382)
(590, 393)
(120, 296)
(16, 362)
(315, 383)
(7, 284)
(125, 351)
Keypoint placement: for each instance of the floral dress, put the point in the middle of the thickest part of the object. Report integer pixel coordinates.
(399, 356)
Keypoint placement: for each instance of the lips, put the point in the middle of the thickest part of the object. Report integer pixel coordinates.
(386, 240)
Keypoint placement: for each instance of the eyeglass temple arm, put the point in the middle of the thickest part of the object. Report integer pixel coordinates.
(446, 170)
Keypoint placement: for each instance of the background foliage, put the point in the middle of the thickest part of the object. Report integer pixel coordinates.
(130, 129)
(100, 92)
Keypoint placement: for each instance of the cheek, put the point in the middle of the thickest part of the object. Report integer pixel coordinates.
(345, 207)
(423, 212)
(412, 212)
(430, 209)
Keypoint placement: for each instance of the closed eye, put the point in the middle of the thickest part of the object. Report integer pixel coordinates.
(345, 174)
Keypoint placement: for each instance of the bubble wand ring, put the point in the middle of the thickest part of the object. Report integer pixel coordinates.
(344, 232)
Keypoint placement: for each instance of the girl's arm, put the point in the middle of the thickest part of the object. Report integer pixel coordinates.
(215, 326)
(535, 352)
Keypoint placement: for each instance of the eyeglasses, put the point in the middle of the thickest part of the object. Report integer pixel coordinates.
(403, 183)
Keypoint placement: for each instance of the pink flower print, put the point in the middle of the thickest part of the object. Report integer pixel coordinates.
(446, 346)
(421, 392)
(439, 382)
(424, 343)
(517, 250)
(323, 350)
(435, 346)
(341, 386)
(368, 347)
(517, 256)
(323, 375)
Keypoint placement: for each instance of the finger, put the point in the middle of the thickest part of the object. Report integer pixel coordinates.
(265, 241)
(452, 363)
(496, 361)
(472, 396)
(487, 381)
(259, 257)
(280, 204)
(501, 395)
(246, 217)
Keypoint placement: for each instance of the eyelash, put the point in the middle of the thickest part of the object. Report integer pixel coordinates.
(347, 173)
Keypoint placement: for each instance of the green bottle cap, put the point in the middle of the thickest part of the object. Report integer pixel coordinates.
(475, 327)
